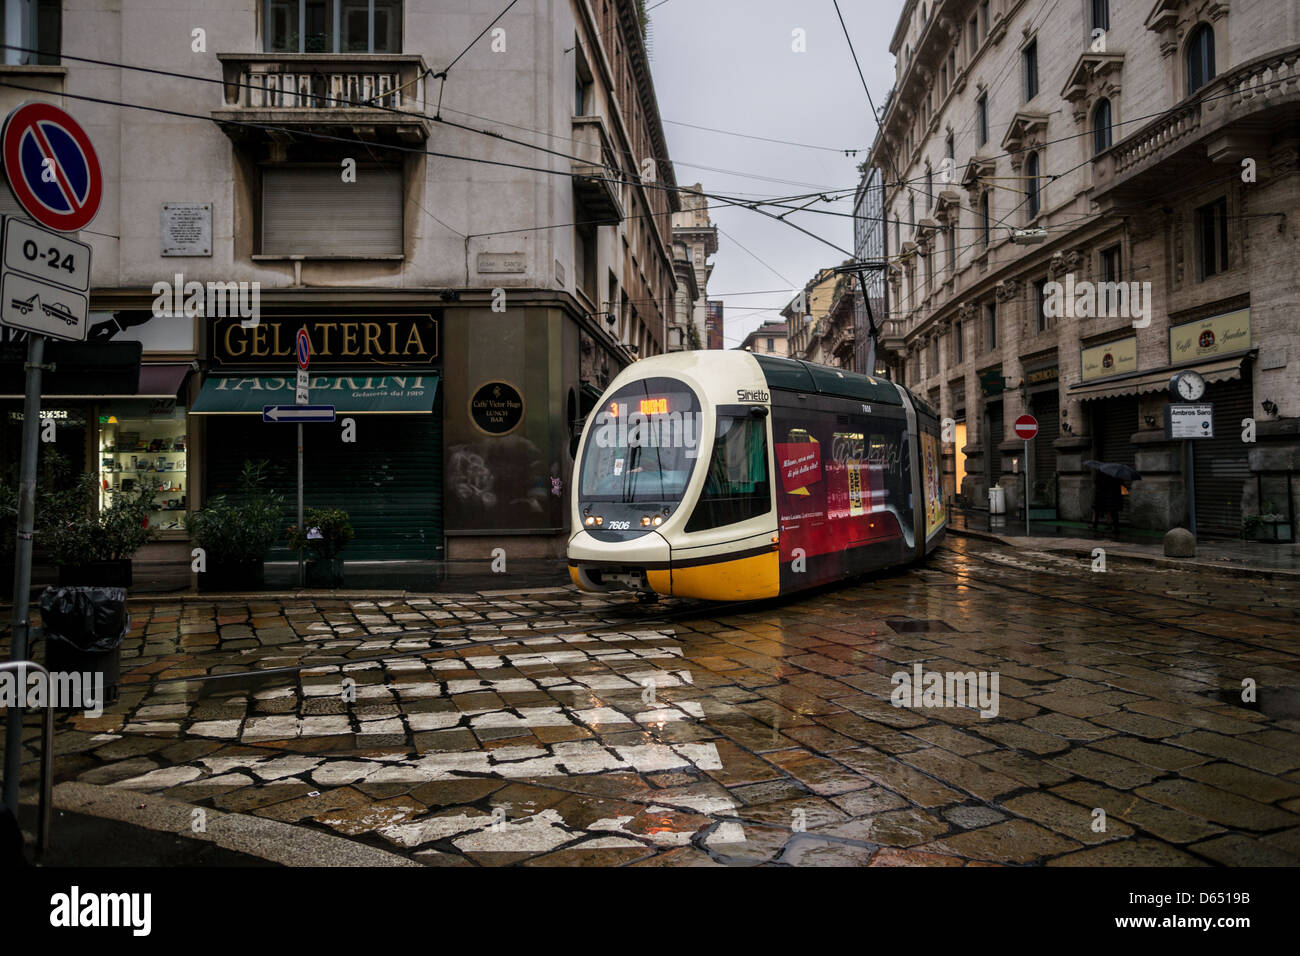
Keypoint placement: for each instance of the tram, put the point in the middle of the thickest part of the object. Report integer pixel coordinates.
(728, 476)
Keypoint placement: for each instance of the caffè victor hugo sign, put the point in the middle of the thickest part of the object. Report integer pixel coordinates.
(337, 341)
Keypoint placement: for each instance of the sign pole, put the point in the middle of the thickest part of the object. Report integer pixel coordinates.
(1191, 488)
(23, 561)
(1026, 487)
(302, 580)
(301, 397)
(1026, 428)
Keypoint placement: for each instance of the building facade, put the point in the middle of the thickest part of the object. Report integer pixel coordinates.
(1081, 203)
(302, 165)
(693, 228)
(807, 318)
(870, 247)
(768, 339)
(715, 324)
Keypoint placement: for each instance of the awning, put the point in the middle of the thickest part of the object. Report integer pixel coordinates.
(1141, 383)
(75, 382)
(162, 381)
(397, 394)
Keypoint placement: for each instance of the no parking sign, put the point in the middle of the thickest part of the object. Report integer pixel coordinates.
(51, 167)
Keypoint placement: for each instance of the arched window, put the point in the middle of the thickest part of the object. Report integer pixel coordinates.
(1200, 57)
(1101, 125)
(1033, 197)
(985, 216)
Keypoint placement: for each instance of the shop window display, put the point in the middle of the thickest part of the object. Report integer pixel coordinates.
(146, 444)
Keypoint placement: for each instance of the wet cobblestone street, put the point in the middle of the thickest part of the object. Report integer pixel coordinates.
(559, 728)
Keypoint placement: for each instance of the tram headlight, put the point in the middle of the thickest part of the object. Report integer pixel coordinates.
(645, 521)
(599, 521)
(658, 520)
(590, 521)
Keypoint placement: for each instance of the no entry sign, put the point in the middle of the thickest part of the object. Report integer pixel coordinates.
(51, 167)
(1026, 427)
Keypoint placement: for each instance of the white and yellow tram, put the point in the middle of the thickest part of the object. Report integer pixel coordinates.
(728, 476)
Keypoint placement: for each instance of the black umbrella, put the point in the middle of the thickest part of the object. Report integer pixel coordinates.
(1116, 470)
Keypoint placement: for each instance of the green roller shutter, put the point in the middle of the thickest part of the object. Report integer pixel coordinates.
(389, 481)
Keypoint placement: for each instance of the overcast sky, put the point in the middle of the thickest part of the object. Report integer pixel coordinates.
(728, 64)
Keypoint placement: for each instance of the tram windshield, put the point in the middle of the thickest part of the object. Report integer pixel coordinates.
(642, 443)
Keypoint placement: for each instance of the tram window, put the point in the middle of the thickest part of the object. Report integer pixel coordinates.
(737, 487)
(642, 444)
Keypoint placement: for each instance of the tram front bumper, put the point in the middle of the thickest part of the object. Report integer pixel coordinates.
(640, 564)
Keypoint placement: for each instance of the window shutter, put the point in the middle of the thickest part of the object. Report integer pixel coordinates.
(309, 210)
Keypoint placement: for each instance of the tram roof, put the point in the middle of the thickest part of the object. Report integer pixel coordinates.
(799, 376)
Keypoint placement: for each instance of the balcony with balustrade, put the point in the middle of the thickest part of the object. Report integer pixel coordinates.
(372, 96)
(1230, 118)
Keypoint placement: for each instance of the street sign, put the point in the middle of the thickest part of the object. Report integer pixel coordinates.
(297, 413)
(51, 166)
(1026, 427)
(43, 308)
(300, 396)
(303, 345)
(46, 255)
(44, 281)
(1189, 421)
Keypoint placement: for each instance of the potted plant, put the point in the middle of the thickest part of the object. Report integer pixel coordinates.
(93, 548)
(236, 531)
(326, 533)
(1269, 525)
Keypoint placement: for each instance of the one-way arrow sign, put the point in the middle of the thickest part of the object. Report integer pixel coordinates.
(297, 413)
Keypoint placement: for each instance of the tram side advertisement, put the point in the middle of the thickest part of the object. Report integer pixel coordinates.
(935, 510)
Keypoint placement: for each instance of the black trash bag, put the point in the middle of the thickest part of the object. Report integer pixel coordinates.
(90, 619)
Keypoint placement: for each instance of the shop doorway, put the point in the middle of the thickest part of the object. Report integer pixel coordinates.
(1044, 406)
(992, 437)
(1222, 463)
(959, 459)
(389, 480)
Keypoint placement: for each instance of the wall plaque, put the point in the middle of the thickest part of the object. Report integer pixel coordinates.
(186, 229)
(502, 262)
(497, 408)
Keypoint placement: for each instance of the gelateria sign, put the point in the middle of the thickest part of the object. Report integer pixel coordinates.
(1113, 358)
(1217, 335)
(337, 341)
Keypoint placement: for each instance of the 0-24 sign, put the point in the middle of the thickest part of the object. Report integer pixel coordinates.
(45, 281)
(47, 255)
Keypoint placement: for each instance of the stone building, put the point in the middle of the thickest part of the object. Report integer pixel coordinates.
(693, 228)
(466, 296)
(1140, 159)
(768, 339)
(813, 316)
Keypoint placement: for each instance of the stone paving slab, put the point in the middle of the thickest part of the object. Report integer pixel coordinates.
(564, 729)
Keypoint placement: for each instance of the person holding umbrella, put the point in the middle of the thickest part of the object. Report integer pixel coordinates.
(1107, 490)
